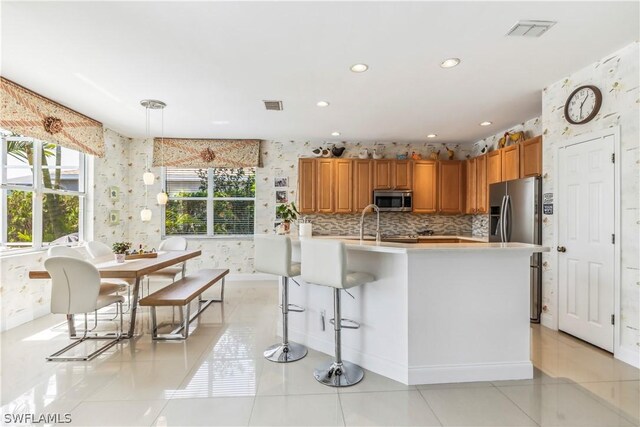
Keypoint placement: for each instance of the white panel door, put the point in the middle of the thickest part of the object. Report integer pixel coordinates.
(586, 226)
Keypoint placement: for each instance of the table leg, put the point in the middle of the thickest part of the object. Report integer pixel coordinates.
(134, 308)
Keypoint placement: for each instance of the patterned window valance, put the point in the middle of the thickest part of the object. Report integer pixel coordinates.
(29, 114)
(206, 153)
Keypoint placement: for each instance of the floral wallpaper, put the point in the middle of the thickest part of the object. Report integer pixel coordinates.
(617, 76)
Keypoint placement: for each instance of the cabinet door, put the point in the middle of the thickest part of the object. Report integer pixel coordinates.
(403, 171)
(451, 187)
(382, 174)
(343, 185)
(471, 190)
(362, 184)
(531, 157)
(425, 186)
(482, 189)
(325, 186)
(511, 162)
(494, 167)
(307, 185)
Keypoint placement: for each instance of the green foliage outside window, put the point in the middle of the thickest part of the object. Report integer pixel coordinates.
(231, 217)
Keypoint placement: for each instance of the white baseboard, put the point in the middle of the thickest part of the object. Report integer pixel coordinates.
(24, 317)
(470, 373)
(241, 277)
(547, 320)
(627, 355)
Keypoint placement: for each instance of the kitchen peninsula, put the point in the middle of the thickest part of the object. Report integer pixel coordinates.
(436, 313)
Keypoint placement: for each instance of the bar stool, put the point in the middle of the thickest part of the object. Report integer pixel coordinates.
(324, 262)
(273, 256)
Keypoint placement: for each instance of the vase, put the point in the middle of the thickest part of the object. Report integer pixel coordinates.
(120, 258)
(286, 227)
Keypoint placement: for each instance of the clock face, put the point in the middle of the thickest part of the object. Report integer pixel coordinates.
(583, 104)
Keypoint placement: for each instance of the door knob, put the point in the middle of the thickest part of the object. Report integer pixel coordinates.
(562, 249)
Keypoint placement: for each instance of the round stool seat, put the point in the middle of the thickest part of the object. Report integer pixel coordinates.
(356, 278)
(295, 268)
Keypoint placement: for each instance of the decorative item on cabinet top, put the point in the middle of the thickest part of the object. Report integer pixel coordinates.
(514, 138)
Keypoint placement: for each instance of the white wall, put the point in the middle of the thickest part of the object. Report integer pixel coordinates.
(617, 76)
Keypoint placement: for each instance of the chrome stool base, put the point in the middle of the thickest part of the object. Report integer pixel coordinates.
(284, 353)
(343, 374)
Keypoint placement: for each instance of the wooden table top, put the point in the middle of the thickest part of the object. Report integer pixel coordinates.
(131, 269)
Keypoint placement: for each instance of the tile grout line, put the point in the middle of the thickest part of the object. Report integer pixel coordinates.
(429, 406)
(518, 406)
(344, 419)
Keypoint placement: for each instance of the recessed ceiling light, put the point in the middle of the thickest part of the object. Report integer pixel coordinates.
(221, 122)
(322, 104)
(431, 135)
(450, 62)
(335, 133)
(486, 123)
(359, 68)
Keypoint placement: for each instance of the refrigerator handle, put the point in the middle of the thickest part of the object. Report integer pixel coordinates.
(508, 216)
(502, 219)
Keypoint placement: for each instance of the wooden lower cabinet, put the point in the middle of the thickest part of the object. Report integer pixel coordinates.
(494, 167)
(510, 162)
(531, 157)
(307, 186)
(451, 187)
(325, 186)
(482, 188)
(470, 190)
(425, 188)
(343, 185)
(362, 184)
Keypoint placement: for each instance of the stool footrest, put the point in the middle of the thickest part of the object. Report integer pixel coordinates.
(295, 308)
(346, 323)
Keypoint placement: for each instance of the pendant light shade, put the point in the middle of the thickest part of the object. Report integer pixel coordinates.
(148, 177)
(162, 198)
(145, 215)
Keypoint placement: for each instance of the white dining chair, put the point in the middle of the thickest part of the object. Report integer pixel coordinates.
(75, 289)
(170, 273)
(98, 249)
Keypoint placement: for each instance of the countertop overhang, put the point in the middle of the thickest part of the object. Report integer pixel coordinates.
(471, 244)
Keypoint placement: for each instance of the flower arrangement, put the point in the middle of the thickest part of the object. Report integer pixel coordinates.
(121, 247)
(288, 213)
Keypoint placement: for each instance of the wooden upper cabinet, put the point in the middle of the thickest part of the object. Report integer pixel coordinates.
(494, 167)
(511, 162)
(402, 172)
(382, 174)
(325, 186)
(362, 184)
(425, 186)
(471, 190)
(531, 157)
(482, 189)
(343, 186)
(306, 185)
(451, 187)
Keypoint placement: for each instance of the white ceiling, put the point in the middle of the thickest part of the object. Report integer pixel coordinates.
(218, 61)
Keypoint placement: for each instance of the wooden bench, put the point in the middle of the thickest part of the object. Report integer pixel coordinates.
(181, 293)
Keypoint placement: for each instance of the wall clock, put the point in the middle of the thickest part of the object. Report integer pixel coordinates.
(583, 104)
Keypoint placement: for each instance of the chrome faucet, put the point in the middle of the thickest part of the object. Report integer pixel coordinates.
(364, 211)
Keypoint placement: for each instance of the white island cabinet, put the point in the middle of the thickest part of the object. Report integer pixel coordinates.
(436, 313)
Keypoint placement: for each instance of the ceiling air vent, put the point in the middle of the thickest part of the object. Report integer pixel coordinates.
(530, 28)
(273, 105)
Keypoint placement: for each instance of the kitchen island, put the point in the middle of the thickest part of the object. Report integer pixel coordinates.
(436, 313)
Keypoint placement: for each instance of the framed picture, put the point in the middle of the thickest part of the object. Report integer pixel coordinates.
(114, 217)
(281, 182)
(281, 197)
(114, 192)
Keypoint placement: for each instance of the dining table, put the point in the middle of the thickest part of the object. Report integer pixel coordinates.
(132, 269)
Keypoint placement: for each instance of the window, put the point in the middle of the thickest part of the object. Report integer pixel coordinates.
(210, 202)
(43, 194)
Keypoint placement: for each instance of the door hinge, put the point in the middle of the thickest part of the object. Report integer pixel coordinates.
(613, 238)
(613, 157)
(613, 319)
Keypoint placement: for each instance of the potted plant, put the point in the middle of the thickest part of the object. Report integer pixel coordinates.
(287, 213)
(120, 250)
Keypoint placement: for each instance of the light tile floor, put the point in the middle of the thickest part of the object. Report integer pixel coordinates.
(219, 377)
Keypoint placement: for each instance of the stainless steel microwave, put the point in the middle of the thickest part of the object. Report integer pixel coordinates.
(393, 200)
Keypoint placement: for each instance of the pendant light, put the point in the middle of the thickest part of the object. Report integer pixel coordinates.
(148, 177)
(162, 197)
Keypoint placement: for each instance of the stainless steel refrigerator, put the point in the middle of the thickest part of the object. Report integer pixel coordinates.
(515, 215)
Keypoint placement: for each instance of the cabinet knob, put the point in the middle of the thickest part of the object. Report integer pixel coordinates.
(562, 249)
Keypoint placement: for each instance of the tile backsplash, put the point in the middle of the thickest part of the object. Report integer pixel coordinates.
(398, 223)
